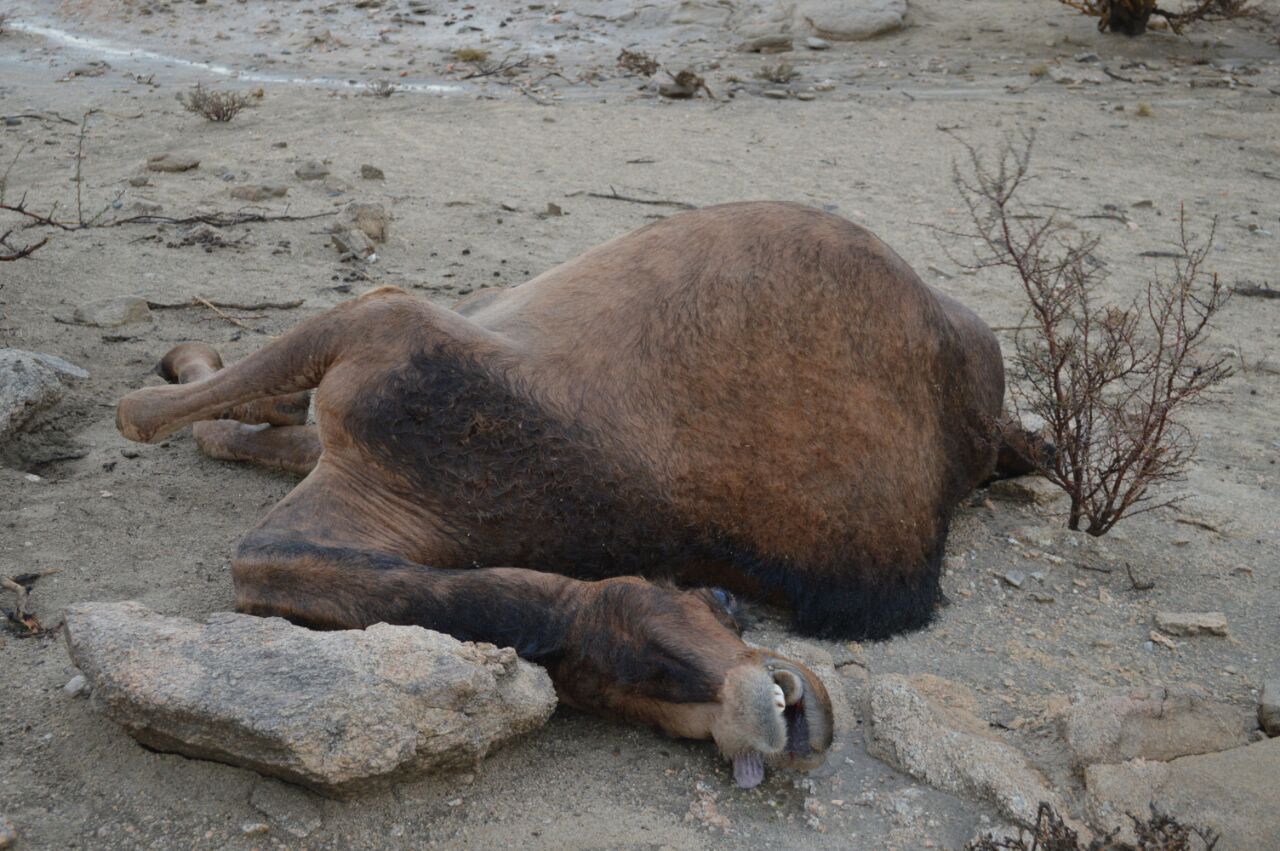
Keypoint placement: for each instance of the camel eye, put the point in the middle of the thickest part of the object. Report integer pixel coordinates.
(724, 606)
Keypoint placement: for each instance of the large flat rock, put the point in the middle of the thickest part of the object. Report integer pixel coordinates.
(1233, 793)
(339, 712)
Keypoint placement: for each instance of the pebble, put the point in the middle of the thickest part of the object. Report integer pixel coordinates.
(76, 686)
(1014, 578)
(776, 94)
(139, 180)
(12, 121)
(371, 172)
(806, 96)
(553, 209)
(312, 170)
(1269, 707)
(815, 43)
(130, 452)
(255, 828)
(260, 192)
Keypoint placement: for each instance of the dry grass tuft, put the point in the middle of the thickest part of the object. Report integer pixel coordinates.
(380, 88)
(474, 55)
(1157, 833)
(780, 73)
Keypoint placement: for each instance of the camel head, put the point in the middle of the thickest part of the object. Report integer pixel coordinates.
(675, 659)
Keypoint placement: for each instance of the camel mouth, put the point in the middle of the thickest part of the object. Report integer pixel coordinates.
(797, 752)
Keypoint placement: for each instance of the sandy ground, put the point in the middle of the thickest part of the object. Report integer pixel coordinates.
(158, 525)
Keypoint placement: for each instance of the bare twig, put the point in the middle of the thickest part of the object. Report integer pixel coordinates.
(614, 196)
(215, 309)
(1255, 291)
(1084, 566)
(229, 305)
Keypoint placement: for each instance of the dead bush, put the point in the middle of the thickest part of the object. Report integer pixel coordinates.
(637, 62)
(1159, 832)
(213, 104)
(780, 73)
(380, 88)
(1131, 16)
(1108, 380)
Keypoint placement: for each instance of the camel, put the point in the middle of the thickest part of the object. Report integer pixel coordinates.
(760, 397)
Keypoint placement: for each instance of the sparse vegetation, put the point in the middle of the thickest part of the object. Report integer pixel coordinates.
(1131, 16)
(1039, 70)
(1144, 109)
(1157, 833)
(380, 88)
(1109, 381)
(213, 104)
(637, 62)
(472, 55)
(780, 73)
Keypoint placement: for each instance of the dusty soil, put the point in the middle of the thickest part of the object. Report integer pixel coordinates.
(1194, 122)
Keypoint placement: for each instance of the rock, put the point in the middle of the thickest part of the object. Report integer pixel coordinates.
(30, 383)
(260, 192)
(172, 162)
(113, 312)
(814, 43)
(139, 180)
(925, 726)
(1069, 76)
(1150, 723)
(1026, 490)
(312, 170)
(1013, 578)
(1192, 623)
(850, 20)
(8, 834)
(76, 686)
(553, 209)
(1232, 793)
(338, 711)
(290, 809)
(371, 219)
(255, 828)
(806, 96)
(1269, 707)
(352, 242)
(776, 94)
(371, 172)
(767, 44)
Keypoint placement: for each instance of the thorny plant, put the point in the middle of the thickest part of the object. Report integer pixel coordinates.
(1158, 833)
(1109, 381)
(213, 104)
(1130, 16)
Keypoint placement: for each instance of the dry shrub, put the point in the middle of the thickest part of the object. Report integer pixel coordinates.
(1157, 833)
(1131, 16)
(380, 88)
(637, 62)
(473, 55)
(1108, 380)
(213, 104)
(780, 73)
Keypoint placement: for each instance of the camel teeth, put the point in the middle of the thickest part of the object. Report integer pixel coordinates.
(779, 699)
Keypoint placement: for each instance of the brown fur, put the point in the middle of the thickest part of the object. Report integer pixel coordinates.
(760, 392)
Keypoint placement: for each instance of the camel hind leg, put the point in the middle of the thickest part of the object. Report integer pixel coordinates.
(293, 363)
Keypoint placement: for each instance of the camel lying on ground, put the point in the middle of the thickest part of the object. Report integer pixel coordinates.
(758, 396)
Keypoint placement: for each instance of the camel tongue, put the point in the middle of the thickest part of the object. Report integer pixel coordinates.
(748, 769)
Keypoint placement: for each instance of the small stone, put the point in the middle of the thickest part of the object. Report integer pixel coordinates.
(76, 686)
(509, 206)
(288, 807)
(312, 170)
(815, 43)
(1269, 707)
(139, 180)
(776, 94)
(172, 162)
(113, 312)
(1014, 578)
(260, 192)
(1192, 623)
(142, 205)
(371, 172)
(12, 121)
(767, 44)
(806, 96)
(130, 452)
(850, 20)
(824, 86)
(255, 828)
(352, 242)
(553, 209)
(370, 219)
(1087, 57)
